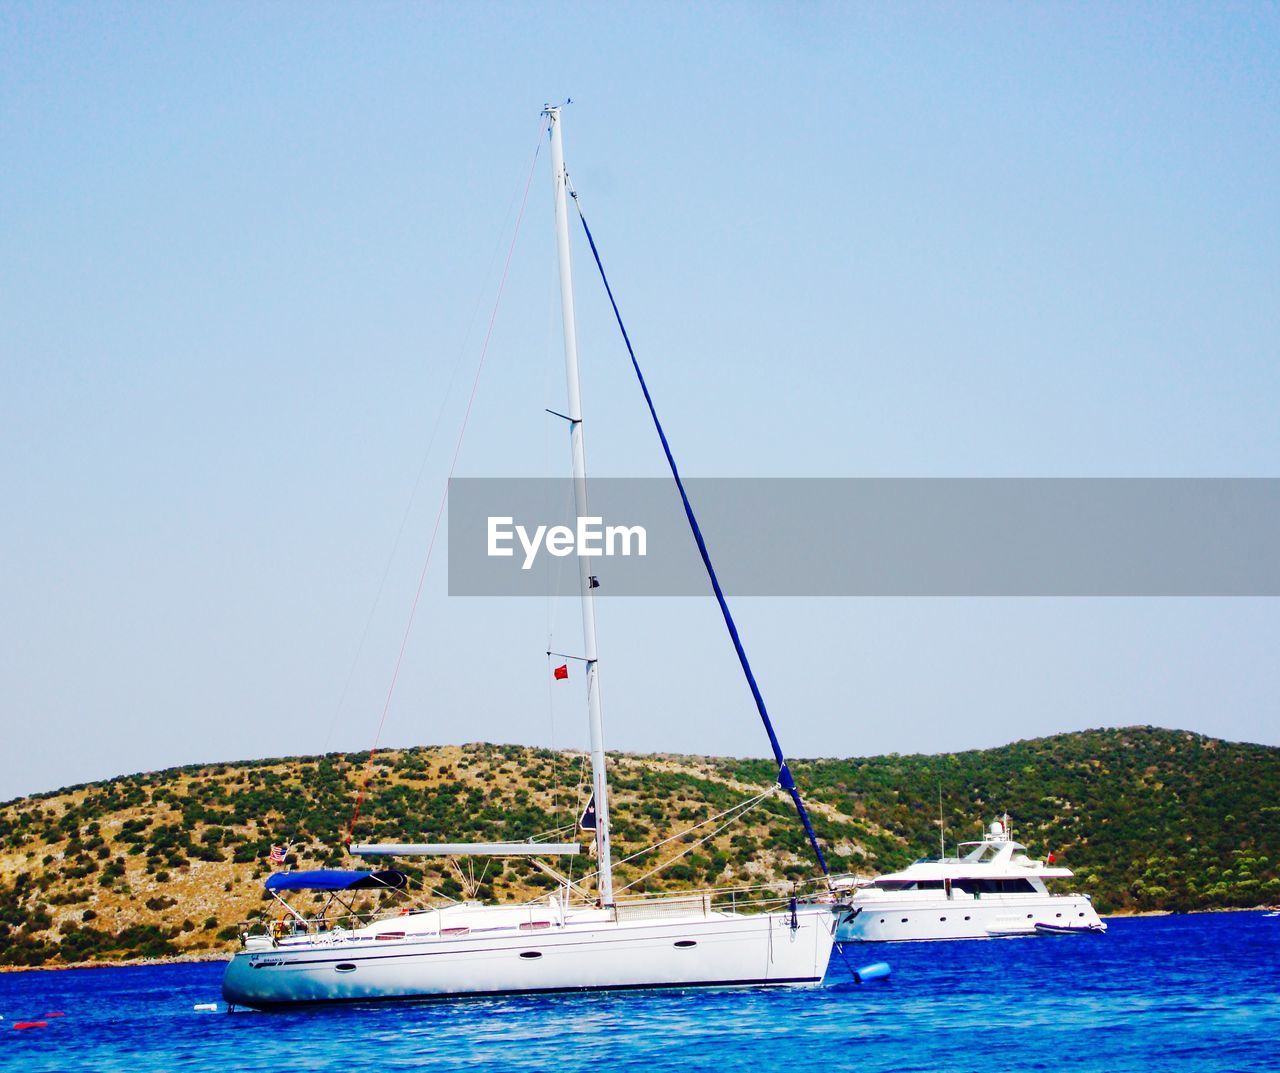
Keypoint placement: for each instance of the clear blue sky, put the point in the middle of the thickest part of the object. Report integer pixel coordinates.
(244, 258)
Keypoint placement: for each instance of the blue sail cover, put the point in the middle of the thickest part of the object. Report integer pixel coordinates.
(336, 879)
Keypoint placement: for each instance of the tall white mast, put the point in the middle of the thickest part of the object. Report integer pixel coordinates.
(599, 780)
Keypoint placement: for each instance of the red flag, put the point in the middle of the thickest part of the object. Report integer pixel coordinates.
(562, 671)
(1052, 858)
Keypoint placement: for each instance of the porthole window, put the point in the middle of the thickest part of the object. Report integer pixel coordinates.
(942, 918)
(685, 944)
(968, 918)
(904, 920)
(530, 955)
(344, 966)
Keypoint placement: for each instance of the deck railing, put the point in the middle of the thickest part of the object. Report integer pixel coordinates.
(760, 897)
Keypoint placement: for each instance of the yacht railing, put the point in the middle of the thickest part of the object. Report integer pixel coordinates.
(335, 927)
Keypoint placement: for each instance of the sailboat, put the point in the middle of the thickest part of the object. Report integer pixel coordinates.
(567, 940)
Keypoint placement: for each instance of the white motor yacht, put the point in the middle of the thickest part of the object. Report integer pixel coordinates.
(989, 889)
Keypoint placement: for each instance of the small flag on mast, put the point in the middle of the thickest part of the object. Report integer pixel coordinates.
(587, 821)
(277, 855)
(562, 671)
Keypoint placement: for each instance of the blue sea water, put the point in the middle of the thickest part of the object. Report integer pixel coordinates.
(1166, 994)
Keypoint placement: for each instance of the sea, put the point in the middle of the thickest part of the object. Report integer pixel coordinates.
(1167, 994)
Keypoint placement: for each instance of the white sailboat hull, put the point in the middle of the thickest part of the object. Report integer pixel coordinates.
(716, 950)
(913, 918)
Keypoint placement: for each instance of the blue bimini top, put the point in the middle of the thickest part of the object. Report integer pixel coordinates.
(336, 879)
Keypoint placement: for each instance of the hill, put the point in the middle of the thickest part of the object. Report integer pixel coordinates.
(170, 862)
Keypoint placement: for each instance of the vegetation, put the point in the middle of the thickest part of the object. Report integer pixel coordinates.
(168, 863)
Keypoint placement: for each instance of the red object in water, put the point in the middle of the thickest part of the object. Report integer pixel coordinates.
(30, 1024)
(55, 1013)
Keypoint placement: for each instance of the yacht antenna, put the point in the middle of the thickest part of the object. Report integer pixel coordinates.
(599, 780)
(942, 827)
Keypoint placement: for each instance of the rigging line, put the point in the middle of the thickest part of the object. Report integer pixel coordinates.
(785, 779)
(413, 494)
(444, 498)
(577, 813)
(546, 836)
(555, 756)
(688, 849)
(552, 577)
(551, 603)
(741, 808)
(552, 569)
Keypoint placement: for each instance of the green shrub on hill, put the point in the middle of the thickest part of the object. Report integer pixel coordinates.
(1148, 819)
